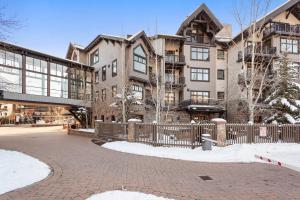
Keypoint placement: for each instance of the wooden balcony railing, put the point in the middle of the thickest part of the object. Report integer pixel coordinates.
(281, 28)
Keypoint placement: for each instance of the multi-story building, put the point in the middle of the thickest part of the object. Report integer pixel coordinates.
(277, 36)
(195, 73)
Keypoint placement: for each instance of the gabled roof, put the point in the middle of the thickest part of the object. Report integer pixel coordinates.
(293, 6)
(143, 36)
(101, 37)
(200, 9)
(71, 47)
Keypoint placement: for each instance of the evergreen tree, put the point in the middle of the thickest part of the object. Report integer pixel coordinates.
(284, 103)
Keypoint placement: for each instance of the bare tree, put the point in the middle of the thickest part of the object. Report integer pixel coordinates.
(252, 51)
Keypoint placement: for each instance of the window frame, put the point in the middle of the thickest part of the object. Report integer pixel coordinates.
(114, 89)
(140, 57)
(97, 77)
(167, 100)
(208, 92)
(218, 55)
(292, 45)
(223, 75)
(103, 73)
(133, 86)
(198, 59)
(103, 94)
(113, 74)
(191, 77)
(92, 55)
(218, 95)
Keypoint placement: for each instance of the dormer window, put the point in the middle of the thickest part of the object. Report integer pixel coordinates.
(139, 60)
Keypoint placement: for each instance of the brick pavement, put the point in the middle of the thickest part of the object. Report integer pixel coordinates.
(81, 168)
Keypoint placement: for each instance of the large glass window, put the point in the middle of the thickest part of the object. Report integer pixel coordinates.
(170, 98)
(199, 74)
(137, 91)
(36, 83)
(37, 65)
(10, 79)
(289, 45)
(58, 87)
(139, 60)
(10, 59)
(199, 97)
(114, 68)
(199, 53)
(94, 57)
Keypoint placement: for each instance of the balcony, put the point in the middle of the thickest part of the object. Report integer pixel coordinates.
(199, 39)
(175, 82)
(202, 105)
(282, 29)
(174, 60)
(259, 52)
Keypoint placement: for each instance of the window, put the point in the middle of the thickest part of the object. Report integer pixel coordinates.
(102, 118)
(221, 95)
(199, 97)
(221, 74)
(220, 54)
(10, 79)
(103, 96)
(36, 65)
(137, 91)
(36, 83)
(10, 59)
(58, 87)
(198, 53)
(114, 68)
(170, 98)
(97, 95)
(139, 60)
(289, 45)
(58, 70)
(103, 73)
(94, 58)
(97, 77)
(113, 118)
(199, 74)
(114, 91)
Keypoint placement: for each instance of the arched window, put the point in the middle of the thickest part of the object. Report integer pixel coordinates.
(139, 60)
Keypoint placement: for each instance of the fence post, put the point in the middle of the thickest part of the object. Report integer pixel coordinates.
(221, 131)
(98, 128)
(131, 132)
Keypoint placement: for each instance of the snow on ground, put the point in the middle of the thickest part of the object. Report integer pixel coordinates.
(19, 170)
(90, 130)
(124, 195)
(233, 153)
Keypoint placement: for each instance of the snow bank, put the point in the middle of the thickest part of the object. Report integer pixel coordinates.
(244, 153)
(124, 195)
(19, 170)
(90, 130)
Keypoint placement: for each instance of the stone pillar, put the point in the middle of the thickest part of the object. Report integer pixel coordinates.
(221, 131)
(131, 132)
(98, 127)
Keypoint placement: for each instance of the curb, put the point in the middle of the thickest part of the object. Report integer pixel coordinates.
(277, 163)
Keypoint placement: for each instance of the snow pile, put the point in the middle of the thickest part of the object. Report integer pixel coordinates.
(234, 153)
(89, 130)
(19, 170)
(124, 195)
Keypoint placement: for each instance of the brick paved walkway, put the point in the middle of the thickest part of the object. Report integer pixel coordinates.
(82, 168)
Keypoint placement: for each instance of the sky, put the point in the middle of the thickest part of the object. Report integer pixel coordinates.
(50, 25)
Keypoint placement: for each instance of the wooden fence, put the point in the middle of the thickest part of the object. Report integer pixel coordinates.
(262, 133)
(176, 135)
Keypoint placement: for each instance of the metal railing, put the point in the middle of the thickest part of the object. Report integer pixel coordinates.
(199, 39)
(174, 135)
(281, 28)
(175, 81)
(262, 133)
(172, 58)
(117, 131)
(203, 101)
